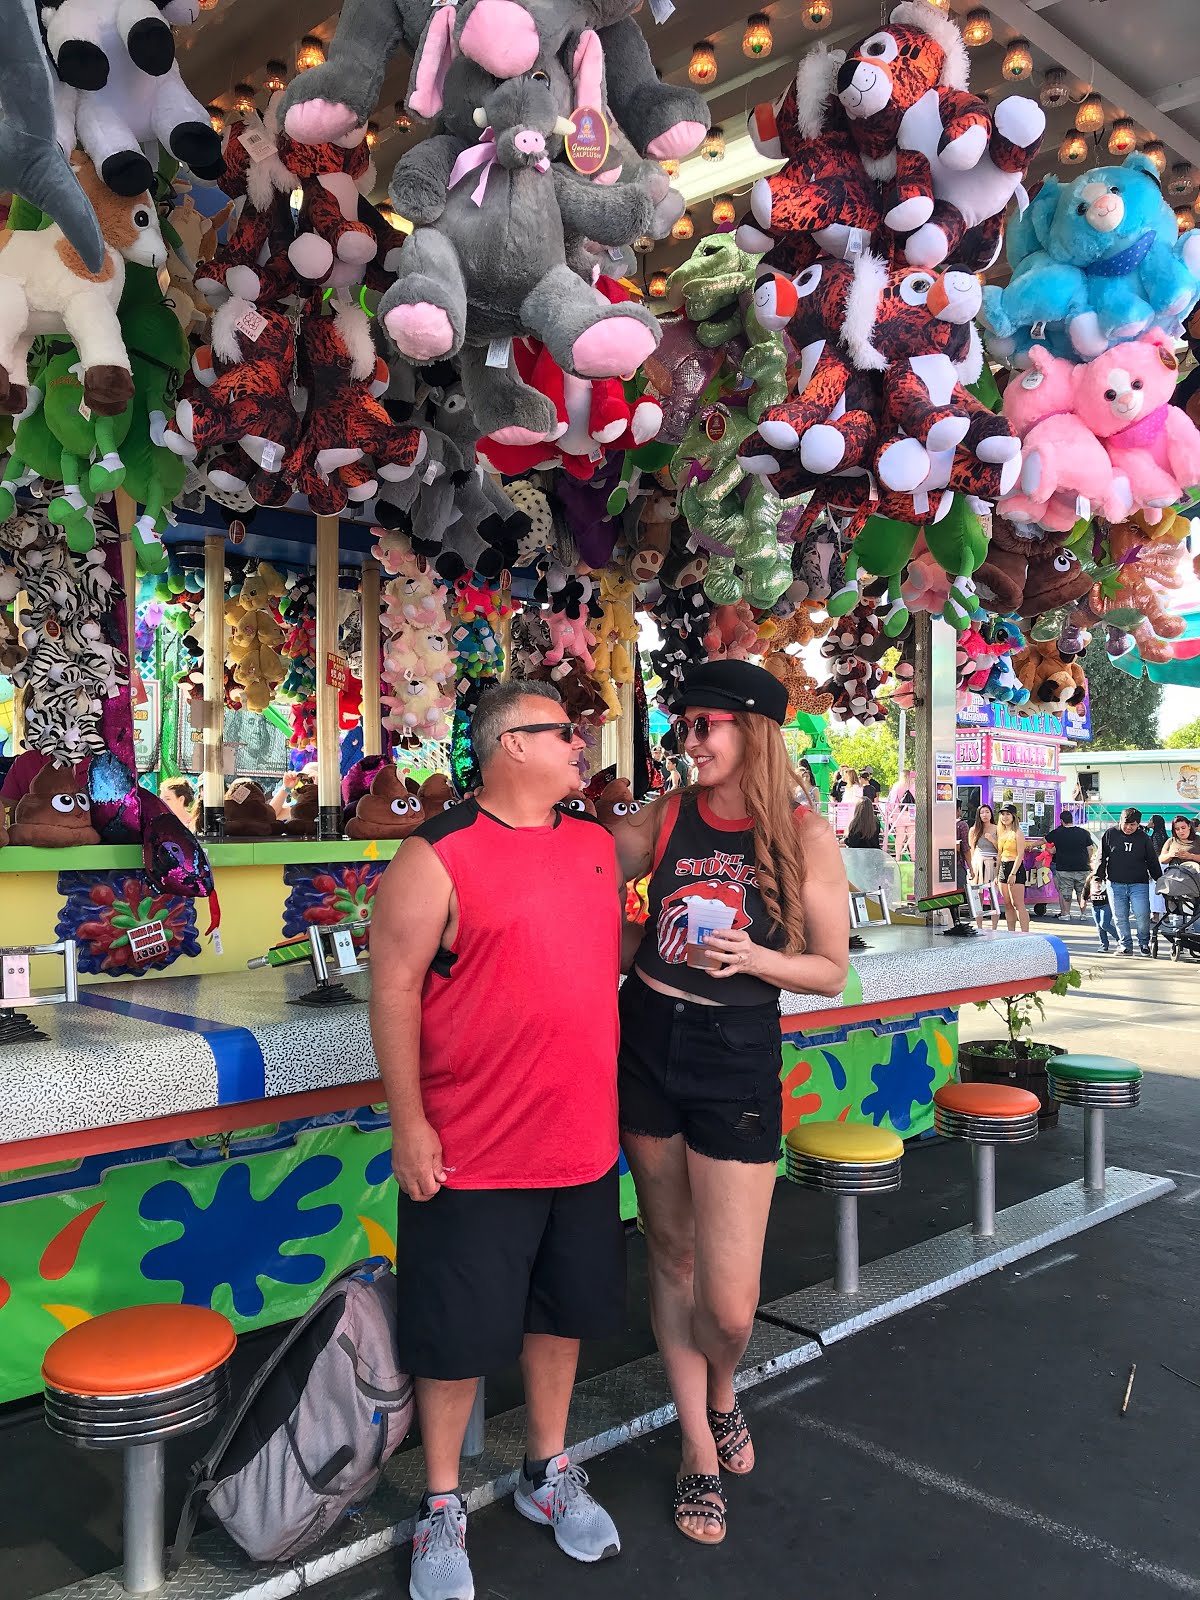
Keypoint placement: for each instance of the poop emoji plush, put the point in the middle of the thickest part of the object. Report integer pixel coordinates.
(302, 816)
(436, 795)
(616, 802)
(55, 812)
(390, 810)
(247, 812)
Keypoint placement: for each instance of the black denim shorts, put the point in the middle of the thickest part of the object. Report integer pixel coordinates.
(710, 1073)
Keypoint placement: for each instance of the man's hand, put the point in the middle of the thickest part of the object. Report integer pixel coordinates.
(417, 1160)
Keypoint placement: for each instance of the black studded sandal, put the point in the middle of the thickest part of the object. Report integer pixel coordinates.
(732, 1436)
(689, 1503)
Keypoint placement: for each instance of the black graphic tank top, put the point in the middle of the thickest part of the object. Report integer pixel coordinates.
(702, 858)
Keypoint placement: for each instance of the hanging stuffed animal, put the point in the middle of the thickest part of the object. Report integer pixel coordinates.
(119, 88)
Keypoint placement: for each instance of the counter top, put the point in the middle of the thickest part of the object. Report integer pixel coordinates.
(131, 1052)
(249, 853)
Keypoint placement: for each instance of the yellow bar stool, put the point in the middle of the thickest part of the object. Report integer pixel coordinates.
(845, 1159)
(128, 1380)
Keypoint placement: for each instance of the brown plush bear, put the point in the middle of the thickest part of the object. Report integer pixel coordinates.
(54, 813)
(1053, 684)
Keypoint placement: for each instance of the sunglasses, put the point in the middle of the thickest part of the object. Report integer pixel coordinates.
(702, 725)
(566, 731)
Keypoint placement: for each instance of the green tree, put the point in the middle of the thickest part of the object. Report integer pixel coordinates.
(1124, 709)
(873, 747)
(1185, 738)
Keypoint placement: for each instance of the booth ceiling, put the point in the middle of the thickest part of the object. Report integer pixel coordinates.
(1141, 56)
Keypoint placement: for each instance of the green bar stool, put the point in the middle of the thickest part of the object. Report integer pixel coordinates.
(985, 1115)
(1096, 1083)
(845, 1159)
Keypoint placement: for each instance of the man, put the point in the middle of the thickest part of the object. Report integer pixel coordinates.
(871, 790)
(495, 951)
(1129, 865)
(1073, 849)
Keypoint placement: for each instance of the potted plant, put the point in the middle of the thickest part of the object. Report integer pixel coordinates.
(1018, 1058)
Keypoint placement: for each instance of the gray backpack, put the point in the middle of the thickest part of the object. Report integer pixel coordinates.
(312, 1432)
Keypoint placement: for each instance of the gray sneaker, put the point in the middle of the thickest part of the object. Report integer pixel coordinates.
(581, 1526)
(440, 1569)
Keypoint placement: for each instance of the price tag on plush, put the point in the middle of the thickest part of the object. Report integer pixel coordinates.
(255, 140)
(148, 940)
(587, 147)
(499, 353)
(251, 323)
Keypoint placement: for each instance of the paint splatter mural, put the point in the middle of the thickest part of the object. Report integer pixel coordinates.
(329, 894)
(99, 910)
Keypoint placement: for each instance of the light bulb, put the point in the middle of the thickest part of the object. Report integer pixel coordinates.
(1090, 116)
(275, 81)
(1018, 61)
(657, 287)
(402, 119)
(1153, 148)
(311, 53)
(758, 41)
(1182, 181)
(243, 98)
(643, 244)
(702, 68)
(713, 148)
(1073, 150)
(1056, 88)
(1185, 218)
(684, 228)
(940, 5)
(216, 115)
(1122, 137)
(670, 166)
(723, 212)
(977, 30)
(817, 15)
(372, 135)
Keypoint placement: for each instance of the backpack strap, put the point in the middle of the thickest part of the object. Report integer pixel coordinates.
(202, 1478)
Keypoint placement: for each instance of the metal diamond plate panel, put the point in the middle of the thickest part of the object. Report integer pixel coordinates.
(909, 1278)
(606, 1411)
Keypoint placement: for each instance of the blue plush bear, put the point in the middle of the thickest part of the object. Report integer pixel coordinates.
(1094, 261)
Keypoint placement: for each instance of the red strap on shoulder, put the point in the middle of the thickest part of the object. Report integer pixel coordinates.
(670, 815)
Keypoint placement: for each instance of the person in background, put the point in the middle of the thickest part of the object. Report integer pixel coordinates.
(863, 832)
(496, 953)
(1096, 893)
(853, 792)
(871, 790)
(1073, 849)
(698, 1073)
(285, 791)
(1182, 845)
(806, 772)
(1129, 864)
(1010, 847)
(179, 796)
(1158, 833)
(985, 860)
(962, 834)
(838, 787)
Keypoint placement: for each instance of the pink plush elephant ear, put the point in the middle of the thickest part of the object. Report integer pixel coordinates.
(434, 55)
(587, 70)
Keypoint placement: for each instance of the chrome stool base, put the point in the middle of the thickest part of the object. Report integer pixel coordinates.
(846, 1180)
(1095, 1098)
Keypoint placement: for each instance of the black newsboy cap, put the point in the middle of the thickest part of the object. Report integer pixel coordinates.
(733, 686)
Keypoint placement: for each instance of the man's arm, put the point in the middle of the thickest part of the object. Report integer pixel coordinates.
(411, 911)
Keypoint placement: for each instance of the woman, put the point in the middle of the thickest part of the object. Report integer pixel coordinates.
(984, 860)
(698, 1074)
(179, 796)
(1010, 847)
(1182, 845)
(852, 794)
(1158, 833)
(863, 832)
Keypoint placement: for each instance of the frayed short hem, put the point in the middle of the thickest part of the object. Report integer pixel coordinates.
(724, 1155)
(646, 1133)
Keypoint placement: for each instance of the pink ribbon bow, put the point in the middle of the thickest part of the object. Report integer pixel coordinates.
(481, 155)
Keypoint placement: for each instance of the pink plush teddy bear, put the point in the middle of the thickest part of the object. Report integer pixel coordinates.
(1124, 398)
(1065, 470)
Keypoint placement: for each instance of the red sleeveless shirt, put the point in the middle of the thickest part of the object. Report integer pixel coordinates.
(519, 1023)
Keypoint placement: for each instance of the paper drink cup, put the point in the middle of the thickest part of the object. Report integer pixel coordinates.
(705, 916)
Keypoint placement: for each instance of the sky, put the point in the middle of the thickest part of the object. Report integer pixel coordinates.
(1180, 704)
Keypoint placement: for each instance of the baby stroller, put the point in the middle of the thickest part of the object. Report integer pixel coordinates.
(1180, 924)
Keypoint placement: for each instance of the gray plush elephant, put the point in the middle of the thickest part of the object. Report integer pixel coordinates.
(494, 266)
(506, 39)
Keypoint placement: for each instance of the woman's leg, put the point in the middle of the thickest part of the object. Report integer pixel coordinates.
(660, 1171)
(1010, 909)
(731, 1201)
(1017, 890)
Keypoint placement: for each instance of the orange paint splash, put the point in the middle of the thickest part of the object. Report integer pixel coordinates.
(61, 1254)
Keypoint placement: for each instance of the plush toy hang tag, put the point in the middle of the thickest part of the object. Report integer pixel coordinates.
(857, 241)
(272, 457)
(1038, 331)
(251, 323)
(499, 353)
(660, 10)
(587, 147)
(255, 140)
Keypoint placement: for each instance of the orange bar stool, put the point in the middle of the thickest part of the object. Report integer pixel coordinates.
(985, 1115)
(845, 1159)
(129, 1380)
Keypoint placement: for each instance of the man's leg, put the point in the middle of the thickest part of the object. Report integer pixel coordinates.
(444, 1410)
(548, 1366)
(1140, 896)
(1118, 894)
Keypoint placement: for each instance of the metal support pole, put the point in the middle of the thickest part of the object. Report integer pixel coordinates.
(983, 1184)
(371, 726)
(329, 770)
(935, 867)
(213, 729)
(143, 1539)
(846, 1271)
(1093, 1148)
(473, 1438)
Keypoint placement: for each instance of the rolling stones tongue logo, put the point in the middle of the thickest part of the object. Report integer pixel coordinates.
(673, 918)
